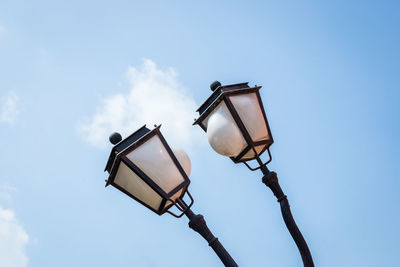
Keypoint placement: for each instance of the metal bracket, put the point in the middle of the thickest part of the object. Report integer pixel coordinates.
(261, 164)
(182, 209)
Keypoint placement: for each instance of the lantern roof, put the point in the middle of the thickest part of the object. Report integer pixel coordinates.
(123, 144)
(216, 97)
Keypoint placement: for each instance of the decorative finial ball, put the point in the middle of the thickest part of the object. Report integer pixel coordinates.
(115, 138)
(214, 85)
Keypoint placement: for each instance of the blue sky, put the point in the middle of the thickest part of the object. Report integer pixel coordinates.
(70, 72)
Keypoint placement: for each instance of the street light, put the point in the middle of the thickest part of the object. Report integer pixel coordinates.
(144, 167)
(236, 125)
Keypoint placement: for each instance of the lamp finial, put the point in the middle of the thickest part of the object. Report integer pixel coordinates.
(115, 138)
(214, 85)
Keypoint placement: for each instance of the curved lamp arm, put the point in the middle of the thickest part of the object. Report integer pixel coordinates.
(198, 224)
(270, 179)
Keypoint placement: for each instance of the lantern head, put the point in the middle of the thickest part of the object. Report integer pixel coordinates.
(235, 122)
(144, 167)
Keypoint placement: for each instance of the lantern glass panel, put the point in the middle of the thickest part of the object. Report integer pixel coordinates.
(133, 184)
(248, 108)
(154, 160)
(223, 133)
(183, 159)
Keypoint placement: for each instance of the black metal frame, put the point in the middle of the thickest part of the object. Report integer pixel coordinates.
(223, 94)
(119, 154)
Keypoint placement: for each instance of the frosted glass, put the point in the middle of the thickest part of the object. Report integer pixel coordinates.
(153, 159)
(249, 110)
(250, 153)
(223, 134)
(132, 183)
(183, 159)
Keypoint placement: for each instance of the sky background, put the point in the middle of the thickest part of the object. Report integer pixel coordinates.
(71, 72)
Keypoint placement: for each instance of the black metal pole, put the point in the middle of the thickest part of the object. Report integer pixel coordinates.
(198, 224)
(270, 179)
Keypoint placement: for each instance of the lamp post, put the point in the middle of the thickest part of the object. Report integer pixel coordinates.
(144, 167)
(236, 125)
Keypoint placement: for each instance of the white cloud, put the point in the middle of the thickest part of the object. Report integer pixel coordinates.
(13, 240)
(9, 108)
(155, 97)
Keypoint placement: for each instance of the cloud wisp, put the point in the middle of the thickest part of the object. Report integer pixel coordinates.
(9, 108)
(155, 97)
(13, 240)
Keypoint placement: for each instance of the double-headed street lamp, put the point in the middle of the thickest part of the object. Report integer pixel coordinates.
(236, 125)
(144, 167)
